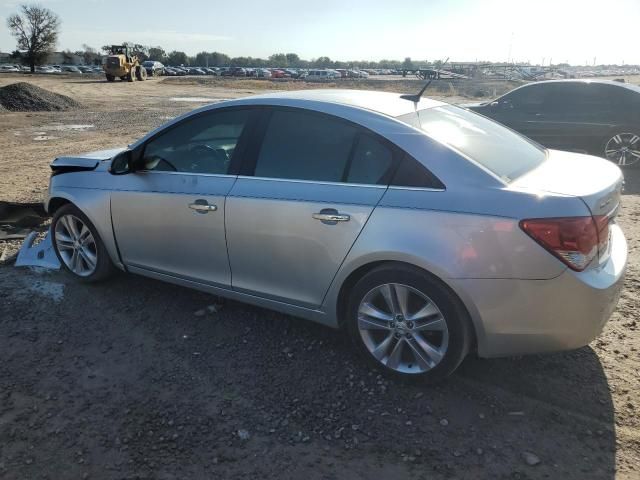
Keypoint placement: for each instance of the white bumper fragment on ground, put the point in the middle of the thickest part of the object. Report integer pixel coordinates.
(40, 255)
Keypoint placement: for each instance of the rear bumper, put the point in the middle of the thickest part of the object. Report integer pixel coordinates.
(515, 317)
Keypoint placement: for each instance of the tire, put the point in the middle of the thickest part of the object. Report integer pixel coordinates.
(124, 78)
(131, 76)
(110, 78)
(614, 145)
(141, 73)
(446, 329)
(63, 237)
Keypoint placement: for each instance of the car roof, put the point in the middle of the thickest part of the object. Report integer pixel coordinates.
(382, 102)
(629, 86)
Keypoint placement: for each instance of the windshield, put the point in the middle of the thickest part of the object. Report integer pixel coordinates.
(500, 150)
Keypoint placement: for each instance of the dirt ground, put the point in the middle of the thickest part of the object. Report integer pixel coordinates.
(123, 380)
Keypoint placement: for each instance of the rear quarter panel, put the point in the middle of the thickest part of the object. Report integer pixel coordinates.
(464, 233)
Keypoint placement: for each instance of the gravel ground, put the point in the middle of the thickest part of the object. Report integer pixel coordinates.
(135, 379)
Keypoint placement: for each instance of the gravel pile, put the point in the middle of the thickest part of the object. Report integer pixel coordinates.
(25, 97)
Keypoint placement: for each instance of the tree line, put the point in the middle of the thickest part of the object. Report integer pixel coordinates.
(283, 60)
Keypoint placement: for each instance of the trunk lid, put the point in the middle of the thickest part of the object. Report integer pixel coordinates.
(596, 181)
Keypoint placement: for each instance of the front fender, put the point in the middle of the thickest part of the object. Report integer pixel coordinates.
(96, 205)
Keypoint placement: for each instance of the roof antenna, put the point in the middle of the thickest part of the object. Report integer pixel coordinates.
(415, 98)
(436, 74)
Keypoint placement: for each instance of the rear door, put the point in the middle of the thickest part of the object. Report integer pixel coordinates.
(576, 115)
(169, 217)
(291, 220)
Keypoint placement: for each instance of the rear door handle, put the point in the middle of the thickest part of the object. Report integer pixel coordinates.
(202, 206)
(331, 216)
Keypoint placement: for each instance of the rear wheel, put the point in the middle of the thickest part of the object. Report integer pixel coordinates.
(623, 149)
(78, 245)
(131, 76)
(408, 323)
(110, 78)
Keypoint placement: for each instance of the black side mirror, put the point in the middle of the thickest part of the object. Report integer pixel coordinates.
(122, 163)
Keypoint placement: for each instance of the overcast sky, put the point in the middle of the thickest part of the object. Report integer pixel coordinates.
(562, 30)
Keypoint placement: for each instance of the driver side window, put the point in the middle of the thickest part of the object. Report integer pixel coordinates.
(528, 98)
(202, 144)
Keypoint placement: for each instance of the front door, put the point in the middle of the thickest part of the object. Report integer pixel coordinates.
(169, 217)
(290, 225)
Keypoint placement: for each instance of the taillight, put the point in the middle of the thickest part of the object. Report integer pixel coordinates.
(574, 240)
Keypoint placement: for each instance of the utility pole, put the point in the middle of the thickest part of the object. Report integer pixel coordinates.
(510, 46)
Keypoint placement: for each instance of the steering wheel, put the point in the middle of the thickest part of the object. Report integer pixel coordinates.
(217, 155)
(153, 162)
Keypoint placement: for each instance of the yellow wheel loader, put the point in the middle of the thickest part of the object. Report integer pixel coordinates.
(122, 63)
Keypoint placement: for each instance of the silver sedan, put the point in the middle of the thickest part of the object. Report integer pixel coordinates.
(424, 230)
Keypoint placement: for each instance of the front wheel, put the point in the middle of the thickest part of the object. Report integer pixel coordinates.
(78, 246)
(623, 149)
(141, 73)
(110, 78)
(408, 323)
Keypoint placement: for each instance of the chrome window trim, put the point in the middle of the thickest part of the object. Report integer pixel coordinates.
(420, 189)
(221, 175)
(315, 182)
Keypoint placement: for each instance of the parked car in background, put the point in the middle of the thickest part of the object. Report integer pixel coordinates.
(598, 117)
(300, 222)
(278, 73)
(70, 69)
(263, 73)
(238, 72)
(196, 71)
(47, 69)
(322, 75)
(153, 68)
(9, 68)
(357, 74)
(226, 72)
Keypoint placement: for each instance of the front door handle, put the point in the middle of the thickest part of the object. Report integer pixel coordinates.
(202, 206)
(331, 216)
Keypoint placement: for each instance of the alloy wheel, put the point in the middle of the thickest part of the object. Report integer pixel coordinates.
(623, 149)
(403, 328)
(76, 245)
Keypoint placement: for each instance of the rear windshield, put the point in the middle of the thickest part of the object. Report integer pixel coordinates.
(500, 150)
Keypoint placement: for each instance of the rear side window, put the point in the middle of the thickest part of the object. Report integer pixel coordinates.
(498, 149)
(304, 146)
(300, 145)
(371, 161)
